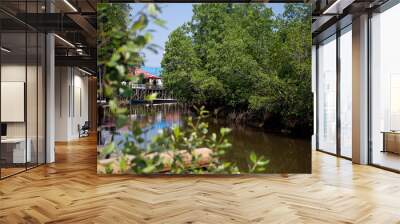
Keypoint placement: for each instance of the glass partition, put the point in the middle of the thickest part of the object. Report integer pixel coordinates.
(346, 92)
(327, 95)
(22, 94)
(14, 153)
(385, 89)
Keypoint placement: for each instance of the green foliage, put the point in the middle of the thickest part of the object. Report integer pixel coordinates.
(244, 57)
(258, 164)
(120, 43)
(179, 54)
(178, 63)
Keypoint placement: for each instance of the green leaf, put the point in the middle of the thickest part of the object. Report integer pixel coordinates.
(225, 131)
(122, 164)
(152, 9)
(260, 169)
(120, 69)
(262, 162)
(213, 137)
(109, 169)
(149, 169)
(253, 157)
(148, 37)
(140, 24)
(177, 131)
(160, 22)
(108, 149)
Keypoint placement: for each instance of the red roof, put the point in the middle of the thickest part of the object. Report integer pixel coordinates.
(147, 75)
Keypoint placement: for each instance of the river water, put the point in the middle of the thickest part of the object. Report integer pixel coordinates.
(286, 154)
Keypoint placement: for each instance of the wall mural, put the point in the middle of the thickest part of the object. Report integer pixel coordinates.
(216, 88)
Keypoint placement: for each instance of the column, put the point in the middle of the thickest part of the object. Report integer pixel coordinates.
(360, 90)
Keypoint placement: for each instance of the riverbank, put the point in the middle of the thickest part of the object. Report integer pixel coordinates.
(265, 121)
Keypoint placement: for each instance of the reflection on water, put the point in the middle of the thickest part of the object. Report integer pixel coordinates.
(286, 154)
(157, 117)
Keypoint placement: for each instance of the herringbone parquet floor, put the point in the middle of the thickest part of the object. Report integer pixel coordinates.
(69, 191)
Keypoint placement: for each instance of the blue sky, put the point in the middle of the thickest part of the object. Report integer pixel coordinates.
(175, 14)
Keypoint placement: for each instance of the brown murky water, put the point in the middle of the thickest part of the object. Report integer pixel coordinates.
(286, 154)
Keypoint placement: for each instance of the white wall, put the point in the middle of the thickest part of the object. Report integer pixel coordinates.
(80, 94)
(61, 103)
(71, 102)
